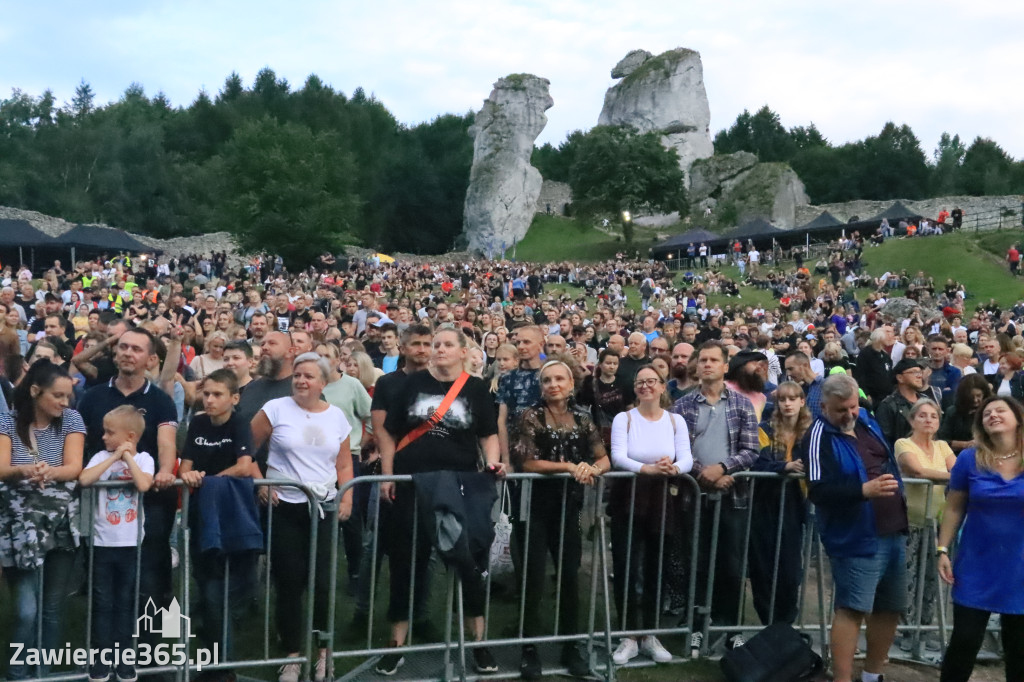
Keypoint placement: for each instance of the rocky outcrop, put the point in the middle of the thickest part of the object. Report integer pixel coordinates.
(900, 308)
(712, 176)
(737, 188)
(663, 94)
(503, 186)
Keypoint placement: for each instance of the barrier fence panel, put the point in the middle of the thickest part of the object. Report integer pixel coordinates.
(664, 557)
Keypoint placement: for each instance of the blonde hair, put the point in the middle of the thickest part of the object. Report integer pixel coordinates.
(984, 456)
(131, 418)
(962, 350)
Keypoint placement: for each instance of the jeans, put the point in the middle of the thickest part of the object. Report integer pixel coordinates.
(24, 584)
(211, 571)
(726, 587)
(113, 597)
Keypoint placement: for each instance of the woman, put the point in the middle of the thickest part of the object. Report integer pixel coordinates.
(1008, 382)
(556, 437)
(359, 365)
(605, 395)
(409, 445)
(834, 360)
(655, 444)
(502, 333)
(962, 355)
(213, 357)
(987, 487)
(14, 322)
(41, 446)
(10, 343)
(308, 442)
(490, 347)
(254, 305)
(817, 366)
(958, 422)
(921, 456)
(782, 455)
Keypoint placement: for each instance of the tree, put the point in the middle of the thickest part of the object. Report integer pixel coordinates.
(82, 102)
(761, 133)
(618, 169)
(987, 169)
(286, 190)
(556, 163)
(948, 159)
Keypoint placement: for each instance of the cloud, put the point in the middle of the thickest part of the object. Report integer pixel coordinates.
(940, 65)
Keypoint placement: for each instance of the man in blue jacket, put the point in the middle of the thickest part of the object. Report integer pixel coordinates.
(855, 485)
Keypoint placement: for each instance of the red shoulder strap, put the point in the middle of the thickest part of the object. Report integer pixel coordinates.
(439, 413)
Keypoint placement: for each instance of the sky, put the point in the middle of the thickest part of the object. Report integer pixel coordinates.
(942, 65)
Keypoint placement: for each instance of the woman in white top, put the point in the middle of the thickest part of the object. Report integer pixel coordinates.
(212, 358)
(650, 441)
(308, 442)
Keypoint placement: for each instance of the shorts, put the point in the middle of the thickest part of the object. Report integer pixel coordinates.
(875, 583)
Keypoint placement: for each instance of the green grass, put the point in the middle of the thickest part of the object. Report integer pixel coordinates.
(552, 238)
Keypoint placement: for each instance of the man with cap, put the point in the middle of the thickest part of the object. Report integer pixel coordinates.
(893, 411)
(747, 375)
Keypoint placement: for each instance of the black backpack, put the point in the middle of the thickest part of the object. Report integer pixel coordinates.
(776, 654)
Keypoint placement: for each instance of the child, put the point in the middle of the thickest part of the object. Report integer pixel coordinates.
(219, 443)
(116, 535)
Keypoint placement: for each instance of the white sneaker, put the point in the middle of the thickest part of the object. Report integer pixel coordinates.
(626, 652)
(175, 560)
(289, 672)
(320, 671)
(696, 642)
(736, 642)
(652, 648)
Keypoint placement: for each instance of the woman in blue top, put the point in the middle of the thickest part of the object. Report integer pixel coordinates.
(986, 485)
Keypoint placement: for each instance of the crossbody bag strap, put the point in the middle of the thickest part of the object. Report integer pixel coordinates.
(438, 415)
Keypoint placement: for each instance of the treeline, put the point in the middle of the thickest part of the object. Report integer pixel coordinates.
(890, 165)
(296, 171)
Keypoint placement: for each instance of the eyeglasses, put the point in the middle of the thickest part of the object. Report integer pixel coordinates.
(646, 383)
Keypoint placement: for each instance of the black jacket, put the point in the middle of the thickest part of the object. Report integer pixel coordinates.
(873, 372)
(455, 509)
(1016, 383)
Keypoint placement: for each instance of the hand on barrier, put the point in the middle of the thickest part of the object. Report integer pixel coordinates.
(724, 482)
(163, 480)
(387, 491)
(885, 485)
(795, 467)
(584, 473)
(193, 479)
(268, 494)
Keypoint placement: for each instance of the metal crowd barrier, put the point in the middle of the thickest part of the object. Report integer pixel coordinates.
(600, 624)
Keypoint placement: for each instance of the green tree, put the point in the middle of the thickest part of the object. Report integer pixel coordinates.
(555, 163)
(948, 158)
(761, 133)
(987, 169)
(82, 102)
(618, 169)
(286, 190)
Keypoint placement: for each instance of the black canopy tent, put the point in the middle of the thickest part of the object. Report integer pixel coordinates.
(826, 219)
(96, 239)
(676, 246)
(756, 229)
(895, 212)
(20, 234)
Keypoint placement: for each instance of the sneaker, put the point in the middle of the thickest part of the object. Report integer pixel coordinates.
(529, 666)
(175, 558)
(696, 643)
(907, 643)
(575, 660)
(389, 664)
(484, 661)
(99, 672)
(320, 670)
(126, 673)
(626, 652)
(289, 672)
(735, 642)
(652, 648)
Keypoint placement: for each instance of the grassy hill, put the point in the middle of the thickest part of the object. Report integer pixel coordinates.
(977, 260)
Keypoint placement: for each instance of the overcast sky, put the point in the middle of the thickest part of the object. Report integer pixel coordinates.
(941, 65)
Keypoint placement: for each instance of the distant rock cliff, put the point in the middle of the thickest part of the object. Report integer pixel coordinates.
(503, 186)
(663, 94)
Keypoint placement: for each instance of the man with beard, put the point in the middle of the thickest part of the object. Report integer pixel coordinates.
(275, 375)
(680, 384)
(258, 327)
(746, 377)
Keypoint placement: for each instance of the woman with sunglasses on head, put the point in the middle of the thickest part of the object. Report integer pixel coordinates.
(655, 444)
(984, 507)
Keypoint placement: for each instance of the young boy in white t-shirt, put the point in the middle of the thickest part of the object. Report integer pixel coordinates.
(116, 534)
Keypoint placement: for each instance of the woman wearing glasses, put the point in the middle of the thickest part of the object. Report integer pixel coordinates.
(655, 444)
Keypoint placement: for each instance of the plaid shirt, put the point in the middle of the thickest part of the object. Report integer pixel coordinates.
(741, 420)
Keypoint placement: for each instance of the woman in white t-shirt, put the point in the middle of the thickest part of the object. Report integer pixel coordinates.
(650, 441)
(308, 442)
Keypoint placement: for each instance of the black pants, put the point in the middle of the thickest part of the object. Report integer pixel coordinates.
(289, 567)
(969, 631)
(639, 599)
(726, 589)
(763, 558)
(402, 553)
(545, 531)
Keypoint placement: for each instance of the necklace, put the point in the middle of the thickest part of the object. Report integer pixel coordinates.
(1006, 456)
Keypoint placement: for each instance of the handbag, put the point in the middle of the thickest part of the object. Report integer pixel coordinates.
(434, 419)
(500, 561)
(777, 653)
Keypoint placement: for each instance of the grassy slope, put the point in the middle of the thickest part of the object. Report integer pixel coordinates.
(977, 260)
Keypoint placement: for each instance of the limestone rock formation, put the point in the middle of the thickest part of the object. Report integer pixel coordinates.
(737, 186)
(900, 308)
(503, 186)
(663, 94)
(708, 177)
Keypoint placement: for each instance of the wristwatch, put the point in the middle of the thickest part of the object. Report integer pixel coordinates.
(940, 550)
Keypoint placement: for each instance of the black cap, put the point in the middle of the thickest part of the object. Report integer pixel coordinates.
(905, 364)
(743, 358)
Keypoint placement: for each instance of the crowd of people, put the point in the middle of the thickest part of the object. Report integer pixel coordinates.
(161, 372)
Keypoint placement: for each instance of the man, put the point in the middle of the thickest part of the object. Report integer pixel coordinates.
(724, 440)
(302, 341)
(680, 384)
(689, 333)
(798, 369)
(135, 352)
(554, 345)
(238, 358)
(258, 328)
(873, 370)
(635, 356)
(519, 388)
(282, 313)
(649, 326)
(944, 377)
(275, 375)
(579, 337)
(388, 357)
(745, 377)
(63, 329)
(617, 344)
(518, 317)
(1013, 257)
(7, 298)
(855, 483)
(893, 412)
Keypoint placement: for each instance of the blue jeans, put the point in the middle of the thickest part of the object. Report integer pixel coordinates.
(211, 571)
(56, 576)
(113, 597)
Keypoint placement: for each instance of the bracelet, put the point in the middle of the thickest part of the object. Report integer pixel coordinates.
(941, 550)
